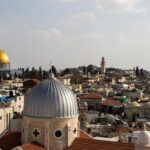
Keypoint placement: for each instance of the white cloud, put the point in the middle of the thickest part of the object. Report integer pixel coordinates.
(121, 6)
(98, 36)
(77, 22)
(3, 31)
(53, 32)
(68, 1)
(85, 17)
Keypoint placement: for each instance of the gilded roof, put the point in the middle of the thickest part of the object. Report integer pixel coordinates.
(4, 58)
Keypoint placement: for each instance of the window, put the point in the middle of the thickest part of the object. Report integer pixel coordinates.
(58, 133)
(75, 130)
(36, 133)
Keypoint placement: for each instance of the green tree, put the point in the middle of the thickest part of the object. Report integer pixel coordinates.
(54, 71)
(65, 71)
(32, 73)
(40, 73)
(142, 72)
(137, 71)
(15, 76)
(84, 70)
(45, 74)
(90, 68)
(27, 73)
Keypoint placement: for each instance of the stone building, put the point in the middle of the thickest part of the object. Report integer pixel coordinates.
(137, 110)
(50, 115)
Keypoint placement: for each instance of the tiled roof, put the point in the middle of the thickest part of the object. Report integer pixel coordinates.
(124, 130)
(91, 144)
(10, 140)
(30, 83)
(111, 103)
(90, 96)
(84, 135)
(32, 146)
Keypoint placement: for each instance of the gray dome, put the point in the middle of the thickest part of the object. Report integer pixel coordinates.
(50, 99)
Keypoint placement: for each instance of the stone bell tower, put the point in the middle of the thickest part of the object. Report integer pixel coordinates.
(103, 66)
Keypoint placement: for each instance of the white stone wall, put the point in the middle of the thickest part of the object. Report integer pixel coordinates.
(142, 111)
(6, 114)
(18, 104)
(46, 130)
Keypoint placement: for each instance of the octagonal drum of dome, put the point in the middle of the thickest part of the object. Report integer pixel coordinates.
(50, 99)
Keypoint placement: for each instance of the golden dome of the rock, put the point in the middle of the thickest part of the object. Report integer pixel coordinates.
(4, 58)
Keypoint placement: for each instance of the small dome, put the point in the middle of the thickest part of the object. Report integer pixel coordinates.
(144, 138)
(110, 118)
(4, 58)
(50, 99)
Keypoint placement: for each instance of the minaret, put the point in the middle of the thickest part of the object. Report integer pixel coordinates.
(103, 66)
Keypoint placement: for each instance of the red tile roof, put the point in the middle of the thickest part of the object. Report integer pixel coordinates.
(84, 135)
(111, 103)
(30, 83)
(32, 146)
(90, 96)
(91, 144)
(124, 130)
(10, 140)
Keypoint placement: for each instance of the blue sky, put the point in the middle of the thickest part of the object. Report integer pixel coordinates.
(76, 32)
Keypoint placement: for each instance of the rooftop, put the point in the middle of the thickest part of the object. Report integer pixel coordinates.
(111, 103)
(85, 142)
(90, 96)
(91, 144)
(32, 146)
(10, 140)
